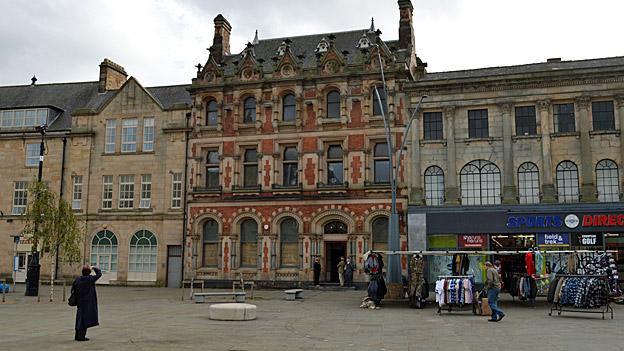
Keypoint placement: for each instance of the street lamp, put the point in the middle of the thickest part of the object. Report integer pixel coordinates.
(32, 274)
(394, 267)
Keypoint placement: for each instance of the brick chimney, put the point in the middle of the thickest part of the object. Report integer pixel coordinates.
(406, 29)
(221, 41)
(112, 76)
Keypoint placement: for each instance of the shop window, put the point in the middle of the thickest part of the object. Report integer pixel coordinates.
(335, 169)
(250, 168)
(289, 242)
(290, 166)
(434, 186)
(212, 169)
(607, 181)
(211, 243)
(478, 126)
(380, 233)
(567, 182)
(289, 108)
(381, 162)
(603, 116)
(249, 243)
(379, 109)
(528, 184)
(432, 126)
(104, 251)
(526, 121)
(249, 110)
(563, 116)
(143, 252)
(212, 113)
(333, 104)
(480, 183)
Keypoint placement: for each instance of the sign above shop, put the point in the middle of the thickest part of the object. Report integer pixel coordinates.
(588, 240)
(478, 240)
(553, 239)
(571, 221)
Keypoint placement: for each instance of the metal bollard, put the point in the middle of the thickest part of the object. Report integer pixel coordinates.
(64, 284)
(3, 281)
(39, 291)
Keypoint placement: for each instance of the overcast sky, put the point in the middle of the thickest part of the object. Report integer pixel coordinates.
(159, 42)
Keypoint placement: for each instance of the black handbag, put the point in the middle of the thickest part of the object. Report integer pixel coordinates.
(73, 300)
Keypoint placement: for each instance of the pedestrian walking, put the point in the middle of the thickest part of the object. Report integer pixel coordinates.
(86, 300)
(348, 273)
(493, 284)
(317, 271)
(341, 270)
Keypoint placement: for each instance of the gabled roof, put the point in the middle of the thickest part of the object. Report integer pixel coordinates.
(526, 69)
(171, 95)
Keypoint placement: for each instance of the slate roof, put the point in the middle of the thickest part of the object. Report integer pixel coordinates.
(302, 45)
(526, 69)
(68, 97)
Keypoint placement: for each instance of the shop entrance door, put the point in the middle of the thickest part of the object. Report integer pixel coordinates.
(333, 251)
(20, 274)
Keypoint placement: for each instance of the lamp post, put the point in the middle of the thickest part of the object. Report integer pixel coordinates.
(393, 267)
(32, 274)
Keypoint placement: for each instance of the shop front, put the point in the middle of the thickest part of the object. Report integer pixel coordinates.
(518, 228)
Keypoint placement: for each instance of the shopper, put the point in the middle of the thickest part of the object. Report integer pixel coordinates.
(86, 298)
(493, 285)
(341, 270)
(317, 271)
(348, 272)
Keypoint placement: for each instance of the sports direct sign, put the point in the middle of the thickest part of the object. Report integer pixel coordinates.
(569, 221)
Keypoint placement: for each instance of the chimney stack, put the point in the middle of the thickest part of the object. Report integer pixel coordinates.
(112, 76)
(221, 41)
(406, 28)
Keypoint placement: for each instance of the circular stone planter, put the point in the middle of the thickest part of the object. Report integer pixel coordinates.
(232, 312)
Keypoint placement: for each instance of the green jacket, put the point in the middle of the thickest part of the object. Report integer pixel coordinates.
(492, 279)
(341, 267)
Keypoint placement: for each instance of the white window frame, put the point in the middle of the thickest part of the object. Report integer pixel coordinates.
(148, 134)
(126, 191)
(110, 141)
(146, 191)
(32, 155)
(129, 128)
(77, 192)
(20, 197)
(107, 192)
(176, 190)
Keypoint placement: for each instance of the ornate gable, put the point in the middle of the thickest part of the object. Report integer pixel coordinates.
(375, 51)
(250, 68)
(332, 61)
(285, 62)
(211, 73)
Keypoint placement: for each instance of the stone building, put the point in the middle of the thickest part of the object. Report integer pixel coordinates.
(289, 159)
(115, 151)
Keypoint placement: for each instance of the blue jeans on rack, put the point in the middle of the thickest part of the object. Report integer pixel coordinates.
(492, 302)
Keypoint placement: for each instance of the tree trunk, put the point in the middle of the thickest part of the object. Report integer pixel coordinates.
(52, 279)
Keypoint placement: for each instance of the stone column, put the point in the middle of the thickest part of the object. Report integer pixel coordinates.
(510, 193)
(451, 192)
(416, 190)
(619, 103)
(548, 188)
(588, 187)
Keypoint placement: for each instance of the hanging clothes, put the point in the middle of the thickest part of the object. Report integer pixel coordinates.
(530, 264)
(454, 291)
(540, 266)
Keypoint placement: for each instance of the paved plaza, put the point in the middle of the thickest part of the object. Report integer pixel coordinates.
(135, 318)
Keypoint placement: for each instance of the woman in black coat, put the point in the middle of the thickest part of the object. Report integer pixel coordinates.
(87, 313)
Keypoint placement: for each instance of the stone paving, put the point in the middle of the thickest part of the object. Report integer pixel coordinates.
(157, 319)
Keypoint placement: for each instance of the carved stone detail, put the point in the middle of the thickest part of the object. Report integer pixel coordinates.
(543, 105)
(583, 102)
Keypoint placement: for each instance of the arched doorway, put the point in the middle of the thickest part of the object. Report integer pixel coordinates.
(335, 237)
(104, 255)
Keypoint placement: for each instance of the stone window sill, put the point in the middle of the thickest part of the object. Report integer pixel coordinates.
(604, 132)
(520, 137)
(565, 134)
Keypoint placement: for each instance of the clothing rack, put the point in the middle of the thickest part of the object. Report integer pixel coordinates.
(606, 309)
(484, 252)
(449, 307)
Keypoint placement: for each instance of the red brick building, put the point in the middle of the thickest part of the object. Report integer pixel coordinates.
(288, 156)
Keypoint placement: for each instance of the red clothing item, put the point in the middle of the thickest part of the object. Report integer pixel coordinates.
(530, 265)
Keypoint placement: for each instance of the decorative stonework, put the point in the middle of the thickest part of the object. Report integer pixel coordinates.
(544, 105)
(505, 108)
(583, 102)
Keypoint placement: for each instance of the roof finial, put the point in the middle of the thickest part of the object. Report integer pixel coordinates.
(33, 80)
(372, 27)
(256, 41)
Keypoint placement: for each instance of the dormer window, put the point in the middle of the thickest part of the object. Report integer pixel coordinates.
(363, 43)
(322, 46)
(282, 49)
(23, 118)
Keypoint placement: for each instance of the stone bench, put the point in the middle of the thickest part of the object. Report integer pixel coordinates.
(201, 297)
(293, 294)
(233, 312)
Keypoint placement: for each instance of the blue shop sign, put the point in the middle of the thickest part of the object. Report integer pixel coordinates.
(535, 221)
(553, 239)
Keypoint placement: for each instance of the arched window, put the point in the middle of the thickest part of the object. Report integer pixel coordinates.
(381, 163)
(249, 110)
(434, 186)
(377, 108)
(335, 169)
(104, 251)
(607, 181)
(333, 104)
(335, 227)
(143, 252)
(379, 229)
(289, 108)
(480, 183)
(567, 182)
(212, 113)
(211, 243)
(289, 242)
(249, 243)
(290, 166)
(528, 184)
